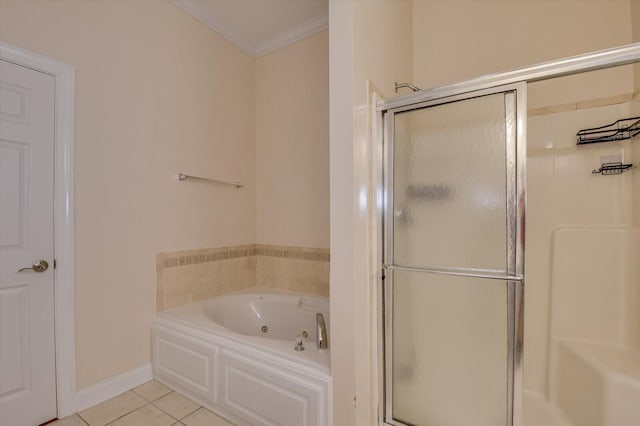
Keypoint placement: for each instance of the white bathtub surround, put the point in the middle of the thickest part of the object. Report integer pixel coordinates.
(594, 352)
(253, 375)
(192, 275)
(539, 412)
(596, 384)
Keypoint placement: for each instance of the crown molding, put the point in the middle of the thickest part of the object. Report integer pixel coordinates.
(282, 39)
(193, 9)
(298, 32)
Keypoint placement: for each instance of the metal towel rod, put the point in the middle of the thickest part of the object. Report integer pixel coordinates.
(184, 176)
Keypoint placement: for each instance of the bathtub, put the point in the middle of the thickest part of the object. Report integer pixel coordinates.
(234, 354)
(596, 384)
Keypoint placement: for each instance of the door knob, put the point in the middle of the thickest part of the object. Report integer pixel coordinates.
(38, 266)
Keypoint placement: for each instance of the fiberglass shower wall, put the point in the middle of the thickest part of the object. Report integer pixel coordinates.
(583, 240)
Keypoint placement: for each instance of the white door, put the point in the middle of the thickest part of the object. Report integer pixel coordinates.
(27, 358)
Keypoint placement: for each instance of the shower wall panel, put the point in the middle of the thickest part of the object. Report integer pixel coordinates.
(565, 198)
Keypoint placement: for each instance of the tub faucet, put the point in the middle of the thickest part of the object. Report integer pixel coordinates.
(321, 331)
(299, 343)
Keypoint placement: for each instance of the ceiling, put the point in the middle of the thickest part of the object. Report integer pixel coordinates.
(260, 26)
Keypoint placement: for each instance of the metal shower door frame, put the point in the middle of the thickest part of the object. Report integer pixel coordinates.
(515, 146)
(593, 61)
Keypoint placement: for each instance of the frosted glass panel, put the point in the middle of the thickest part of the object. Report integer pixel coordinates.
(449, 183)
(450, 350)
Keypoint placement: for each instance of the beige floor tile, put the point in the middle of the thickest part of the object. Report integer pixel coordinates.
(204, 417)
(147, 416)
(108, 411)
(74, 420)
(176, 405)
(151, 390)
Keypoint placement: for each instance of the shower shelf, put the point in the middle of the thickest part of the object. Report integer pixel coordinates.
(625, 128)
(612, 169)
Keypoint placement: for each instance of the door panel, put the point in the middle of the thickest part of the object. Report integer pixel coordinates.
(27, 358)
(449, 185)
(452, 257)
(450, 342)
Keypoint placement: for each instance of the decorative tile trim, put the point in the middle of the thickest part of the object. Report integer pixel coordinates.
(189, 257)
(304, 253)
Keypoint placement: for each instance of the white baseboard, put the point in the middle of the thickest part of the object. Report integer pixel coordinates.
(109, 388)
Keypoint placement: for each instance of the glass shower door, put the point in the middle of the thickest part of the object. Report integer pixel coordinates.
(453, 259)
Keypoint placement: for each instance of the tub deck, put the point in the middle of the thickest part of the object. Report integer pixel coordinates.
(597, 384)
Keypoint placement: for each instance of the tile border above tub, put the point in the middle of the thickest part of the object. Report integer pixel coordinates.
(174, 259)
(188, 257)
(293, 252)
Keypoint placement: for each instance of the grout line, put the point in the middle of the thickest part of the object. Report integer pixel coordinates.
(124, 415)
(199, 407)
(152, 400)
(168, 414)
(174, 417)
(171, 415)
(83, 420)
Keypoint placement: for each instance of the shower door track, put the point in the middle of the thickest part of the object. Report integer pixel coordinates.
(598, 60)
(593, 61)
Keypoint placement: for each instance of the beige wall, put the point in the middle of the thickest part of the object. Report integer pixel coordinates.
(458, 40)
(370, 48)
(342, 191)
(157, 93)
(292, 150)
(383, 47)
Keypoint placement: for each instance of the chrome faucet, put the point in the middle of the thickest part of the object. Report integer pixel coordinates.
(299, 343)
(321, 331)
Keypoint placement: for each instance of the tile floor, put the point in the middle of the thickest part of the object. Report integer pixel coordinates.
(150, 404)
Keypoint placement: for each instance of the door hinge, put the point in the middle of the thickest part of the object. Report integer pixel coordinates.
(54, 263)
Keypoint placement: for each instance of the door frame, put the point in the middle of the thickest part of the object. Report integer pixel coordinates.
(513, 275)
(593, 61)
(63, 228)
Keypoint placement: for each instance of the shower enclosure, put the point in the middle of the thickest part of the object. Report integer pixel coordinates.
(453, 258)
(451, 252)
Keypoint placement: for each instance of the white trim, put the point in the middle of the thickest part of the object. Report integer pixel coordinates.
(194, 9)
(298, 32)
(114, 386)
(277, 41)
(63, 217)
